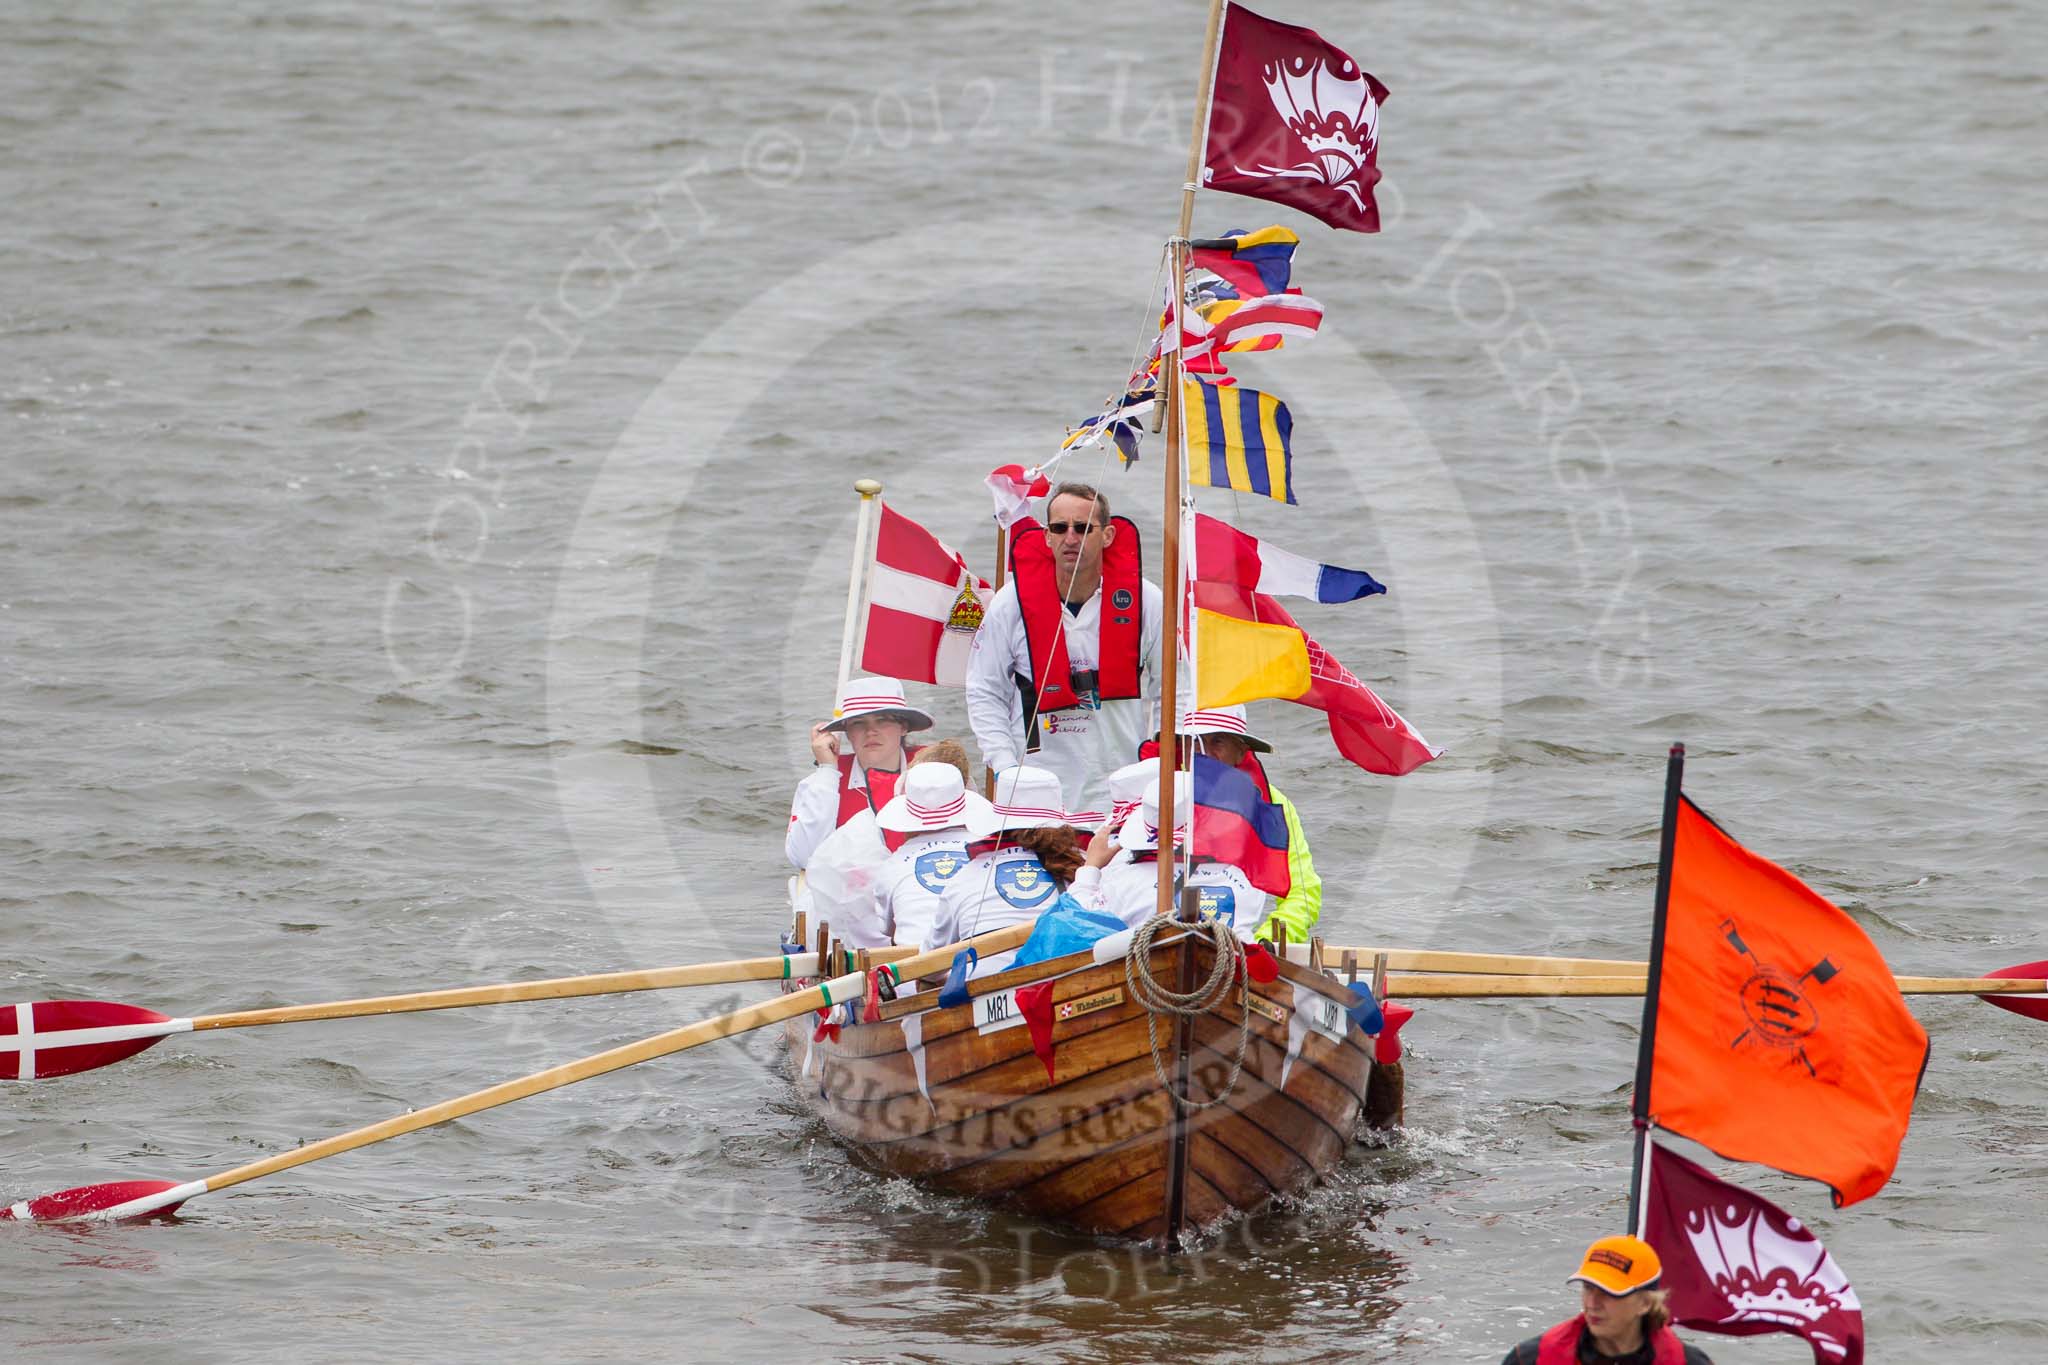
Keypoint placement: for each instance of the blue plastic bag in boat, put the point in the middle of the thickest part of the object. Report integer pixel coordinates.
(1066, 928)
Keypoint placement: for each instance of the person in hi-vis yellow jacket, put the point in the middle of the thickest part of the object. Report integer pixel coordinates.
(1224, 735)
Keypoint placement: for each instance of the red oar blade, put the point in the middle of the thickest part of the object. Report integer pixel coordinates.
(59, 1037)
(2032, 1006)
(121, 1199)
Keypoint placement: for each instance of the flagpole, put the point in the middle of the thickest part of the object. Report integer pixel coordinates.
(869, 490)
(1639, 1213)
(1169, 637)
(988, 775)
(1639, 1104)
(1169, 394)
(1198, 140)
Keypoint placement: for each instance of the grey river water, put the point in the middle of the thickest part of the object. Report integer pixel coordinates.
(426, 437)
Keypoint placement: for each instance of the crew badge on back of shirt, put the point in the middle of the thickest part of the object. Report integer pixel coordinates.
(1217, 902)
(934, 869)
(1025, 885)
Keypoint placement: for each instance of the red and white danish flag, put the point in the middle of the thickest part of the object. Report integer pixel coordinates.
(924, 606)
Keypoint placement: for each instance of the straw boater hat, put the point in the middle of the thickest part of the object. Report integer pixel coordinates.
(1141, 830)
(1223, 720)
(1026, 798)
(1619, 1266)
(930, 797)
(1127, 789)
(876, 696)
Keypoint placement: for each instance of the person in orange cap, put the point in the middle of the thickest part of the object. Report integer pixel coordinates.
(1623, 1319)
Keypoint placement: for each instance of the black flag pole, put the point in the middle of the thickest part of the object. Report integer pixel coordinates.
(1639, 1105)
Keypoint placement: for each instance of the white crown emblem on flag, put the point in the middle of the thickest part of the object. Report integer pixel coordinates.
(1332, 110)
(1766, 1275)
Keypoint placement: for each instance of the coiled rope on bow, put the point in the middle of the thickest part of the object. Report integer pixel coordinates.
(1157, 999)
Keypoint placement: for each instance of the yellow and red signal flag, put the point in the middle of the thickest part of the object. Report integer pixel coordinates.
(1246, 646)
(1772, 1029)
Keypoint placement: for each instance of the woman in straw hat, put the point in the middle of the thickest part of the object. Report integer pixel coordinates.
(874, 717)
(1623, 1318)
(1023, 853)
(1128, 888)
(931, 809)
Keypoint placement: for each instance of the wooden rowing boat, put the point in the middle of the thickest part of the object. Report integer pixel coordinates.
(958, 1100)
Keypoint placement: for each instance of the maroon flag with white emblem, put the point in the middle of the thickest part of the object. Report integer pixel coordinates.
(1740, 1265)
(1294, 120)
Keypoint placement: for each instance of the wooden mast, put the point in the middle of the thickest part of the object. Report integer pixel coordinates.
(1169, 636)
(1169, 394)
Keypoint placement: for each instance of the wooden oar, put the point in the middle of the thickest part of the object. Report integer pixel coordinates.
(1999, 990)
(45, 1038)
(140, 1198)
(1502, 964)
(2004, 988)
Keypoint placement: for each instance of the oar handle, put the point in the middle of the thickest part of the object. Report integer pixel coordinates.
(775, 968)
(1505, 964)
(790, 1006)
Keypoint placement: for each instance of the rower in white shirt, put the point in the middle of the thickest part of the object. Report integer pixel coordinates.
(933, 806)
(1129, 889)
(1023, 852)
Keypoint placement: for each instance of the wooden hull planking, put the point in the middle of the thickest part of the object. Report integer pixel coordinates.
(1093, 1148)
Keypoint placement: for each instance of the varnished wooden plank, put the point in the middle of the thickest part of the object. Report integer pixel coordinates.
(1141, 1202)
(1137, 1111)
(1307, 1102)
(1057, 1194)
(1242, 1184)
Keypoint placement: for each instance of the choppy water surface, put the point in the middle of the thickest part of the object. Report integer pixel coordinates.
(427, 437)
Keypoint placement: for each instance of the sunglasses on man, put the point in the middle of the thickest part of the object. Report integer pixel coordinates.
(1079, 528)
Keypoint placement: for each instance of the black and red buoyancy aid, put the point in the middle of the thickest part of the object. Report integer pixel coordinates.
(1560, 1345)
(1121, 648)
(880, 787)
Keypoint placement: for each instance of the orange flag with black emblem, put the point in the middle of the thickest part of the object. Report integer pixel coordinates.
(1773, 1028)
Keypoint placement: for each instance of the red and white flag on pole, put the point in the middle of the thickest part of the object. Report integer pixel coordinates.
(1013, 487)
(1293, 120)
(1740, 1265)
(923, 606)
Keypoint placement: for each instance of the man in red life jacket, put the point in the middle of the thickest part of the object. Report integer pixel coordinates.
(874, 717)
(1064, 665)
(1624, 1318)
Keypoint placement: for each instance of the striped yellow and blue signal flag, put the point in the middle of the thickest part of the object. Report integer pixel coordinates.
(1238, 438)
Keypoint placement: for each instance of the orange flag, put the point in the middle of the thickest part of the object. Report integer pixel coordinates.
(1776, 1032)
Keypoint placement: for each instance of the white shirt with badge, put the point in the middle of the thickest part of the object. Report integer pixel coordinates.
(909, 889)
(998, 889)
(1129, 889)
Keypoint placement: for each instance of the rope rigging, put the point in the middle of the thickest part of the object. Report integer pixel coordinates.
(1226, 971)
